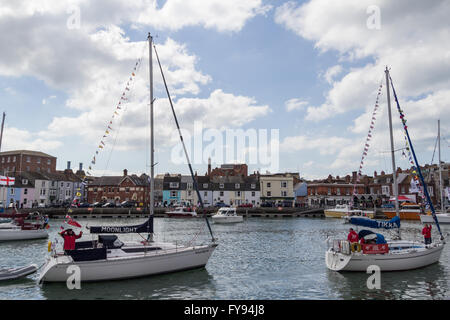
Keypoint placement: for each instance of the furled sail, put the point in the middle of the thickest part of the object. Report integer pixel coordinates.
(146, 227)
(376, 224)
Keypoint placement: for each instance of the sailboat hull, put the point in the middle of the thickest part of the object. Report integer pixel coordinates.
(18, 234)
(442, 218)
(413, 259)
(149, 264)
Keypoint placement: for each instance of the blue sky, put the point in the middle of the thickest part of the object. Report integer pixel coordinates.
(59, 90)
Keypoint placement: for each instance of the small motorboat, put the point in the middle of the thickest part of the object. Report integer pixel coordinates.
(227, 215)
(182, 212)
(15, 273)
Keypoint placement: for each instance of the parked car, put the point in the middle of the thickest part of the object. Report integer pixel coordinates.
(127, 204)
(220, 205)
(267, 204)
(97, 204)
(84, 205)
(40, 205)
(246, 205)
(109, 205)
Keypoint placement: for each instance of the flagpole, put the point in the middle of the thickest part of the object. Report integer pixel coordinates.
(152, 168)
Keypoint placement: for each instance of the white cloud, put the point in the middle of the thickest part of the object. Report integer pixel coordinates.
(16, 139)
(295, 104)
(332, 72)
(412, 40)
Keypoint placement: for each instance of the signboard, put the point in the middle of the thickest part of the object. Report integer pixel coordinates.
(375, 248)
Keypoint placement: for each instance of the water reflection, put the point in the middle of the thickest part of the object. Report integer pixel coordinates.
(426, 283)
(192, 284)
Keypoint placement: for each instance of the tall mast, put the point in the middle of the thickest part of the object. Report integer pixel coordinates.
(440, 168)
(1, 133)
(394, 169)
(152, 172)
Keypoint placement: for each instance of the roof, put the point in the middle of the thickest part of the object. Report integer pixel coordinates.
(26, 152)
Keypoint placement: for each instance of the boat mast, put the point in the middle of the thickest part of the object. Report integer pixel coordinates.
(440, 168)
(394, 169)
(1, 133)
(152, 172)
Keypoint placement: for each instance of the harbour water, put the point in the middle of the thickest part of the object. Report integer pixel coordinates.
(261, 258)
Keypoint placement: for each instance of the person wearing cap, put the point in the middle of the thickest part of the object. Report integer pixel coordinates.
(69, 238)
(352, 236)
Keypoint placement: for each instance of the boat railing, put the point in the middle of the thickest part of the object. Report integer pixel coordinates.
(339, 246)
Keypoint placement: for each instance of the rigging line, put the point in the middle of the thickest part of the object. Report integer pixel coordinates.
(425, 188)
(184, 146)
(434, 151)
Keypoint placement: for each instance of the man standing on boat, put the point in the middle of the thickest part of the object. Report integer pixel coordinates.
(70, 238)
(352, 236)
(426, 231)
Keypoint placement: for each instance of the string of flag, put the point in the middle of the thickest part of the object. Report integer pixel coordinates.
(109, 127)
(367, 143)
(415, 174)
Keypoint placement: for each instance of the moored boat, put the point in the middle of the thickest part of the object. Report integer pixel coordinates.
(227, 215)
(344, 210)
(181, 212)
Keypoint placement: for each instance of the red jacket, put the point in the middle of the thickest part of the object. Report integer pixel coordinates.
(352, 236)
(69, 240)
(426, 231)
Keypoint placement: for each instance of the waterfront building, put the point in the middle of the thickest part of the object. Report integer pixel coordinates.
(116, 189)
(26, 161)
(278, 189)
(171, 189)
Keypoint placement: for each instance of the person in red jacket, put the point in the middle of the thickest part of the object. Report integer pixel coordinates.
(426, 231)
(69, 239)
(352, 236)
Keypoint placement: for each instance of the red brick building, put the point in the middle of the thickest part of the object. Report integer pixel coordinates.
(120, 188)
(18, 161)
(227, 170)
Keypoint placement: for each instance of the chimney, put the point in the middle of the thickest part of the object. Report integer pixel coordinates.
(209, 166)
(354, 176)
(375, 174)
(125, 172)
(81, 166)
(68, 165)
(383, 173)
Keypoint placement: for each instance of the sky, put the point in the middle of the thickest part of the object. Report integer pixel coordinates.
(298, 77)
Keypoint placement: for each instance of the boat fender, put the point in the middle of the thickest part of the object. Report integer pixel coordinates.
(49, 246)
(355, 246)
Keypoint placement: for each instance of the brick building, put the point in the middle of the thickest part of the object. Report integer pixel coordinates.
(117, 189)
(26, 161)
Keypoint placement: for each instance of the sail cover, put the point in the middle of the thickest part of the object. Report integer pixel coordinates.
(146, 227)
(385, 224)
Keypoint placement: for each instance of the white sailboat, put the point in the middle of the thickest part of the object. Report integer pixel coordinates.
(108, 258)
(390, 255)
(19, 228)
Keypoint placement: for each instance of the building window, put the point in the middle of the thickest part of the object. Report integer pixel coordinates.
(48, 170)
(221, 193)
(14, 159)
(38, 169)
(237, 185)
(173, 184)
(25, 191)
(127, 189)
(205, 193)
(9, 158)
(221, 185)
(238, 193)
(38, 160)
(269, 194)
(28, 159)
(205, 185)
(173, 194)
(284, 184)
(43, 184)
(190, 185)
(385, 190)
(268, 184)
(12, 191)
(253, 193)
(253, 186)
(189, 193)
(284, 193)
(49, 162)
(338, 191)
(3, 159)
(28, 168)
(329, 191)
(67, 185)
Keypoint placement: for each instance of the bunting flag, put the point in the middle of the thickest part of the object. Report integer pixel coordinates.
(109, 128)
(367, 145)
